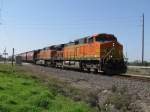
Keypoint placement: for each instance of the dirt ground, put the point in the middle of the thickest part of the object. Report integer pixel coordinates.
(103, 87)
(139, 70)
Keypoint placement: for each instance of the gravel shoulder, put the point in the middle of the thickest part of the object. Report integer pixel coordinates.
(139, 70)
(138, 89)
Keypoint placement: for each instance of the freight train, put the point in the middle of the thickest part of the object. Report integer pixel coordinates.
(100, 52)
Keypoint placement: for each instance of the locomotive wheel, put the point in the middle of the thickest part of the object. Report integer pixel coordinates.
(88, 70)
(95, 70)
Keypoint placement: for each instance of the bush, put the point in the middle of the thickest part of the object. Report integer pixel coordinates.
(119, 101)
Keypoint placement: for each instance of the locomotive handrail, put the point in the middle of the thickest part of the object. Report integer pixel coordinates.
(105, 56)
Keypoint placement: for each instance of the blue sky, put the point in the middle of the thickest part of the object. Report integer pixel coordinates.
(33, 24)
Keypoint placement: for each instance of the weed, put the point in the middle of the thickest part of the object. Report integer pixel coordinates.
(43, 102)
(34, 92)
(12, 102)
(2, 88)
(114, 88)
(4, 108)
(119, 98)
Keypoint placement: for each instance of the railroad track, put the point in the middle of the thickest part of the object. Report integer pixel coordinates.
(140, 67)
(136, 77)
(128, 76)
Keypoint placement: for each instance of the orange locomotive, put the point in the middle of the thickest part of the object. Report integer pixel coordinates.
(101, 52)
(49, 56)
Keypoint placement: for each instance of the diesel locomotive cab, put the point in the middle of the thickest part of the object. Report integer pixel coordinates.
(111, 54)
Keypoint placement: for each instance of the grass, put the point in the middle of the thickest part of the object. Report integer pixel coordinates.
(22, 93)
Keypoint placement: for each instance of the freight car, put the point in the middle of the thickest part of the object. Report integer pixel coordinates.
(23, 56)
(29, 56)
(101, 52)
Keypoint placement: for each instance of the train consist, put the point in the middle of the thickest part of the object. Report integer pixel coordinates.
(101, 52)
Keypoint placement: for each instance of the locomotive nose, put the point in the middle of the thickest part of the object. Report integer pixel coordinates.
(117, 50)
(112, 50)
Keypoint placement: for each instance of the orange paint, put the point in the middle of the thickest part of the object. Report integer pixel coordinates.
(46, 54)
(93, 51)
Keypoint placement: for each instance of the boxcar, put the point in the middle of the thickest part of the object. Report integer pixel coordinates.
(30, 56)
(23, 56)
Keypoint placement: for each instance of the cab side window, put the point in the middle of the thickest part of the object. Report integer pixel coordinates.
(90, 40)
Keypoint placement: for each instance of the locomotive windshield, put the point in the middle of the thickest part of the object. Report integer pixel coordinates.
(103, 38)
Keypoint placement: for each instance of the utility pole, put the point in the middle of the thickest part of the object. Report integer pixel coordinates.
(143, 38)
(5, 55)
(12, 59)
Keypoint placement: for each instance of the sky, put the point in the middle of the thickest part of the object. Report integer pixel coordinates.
(32, 24)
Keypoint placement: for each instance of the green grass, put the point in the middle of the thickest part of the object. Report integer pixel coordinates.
(20, 93)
